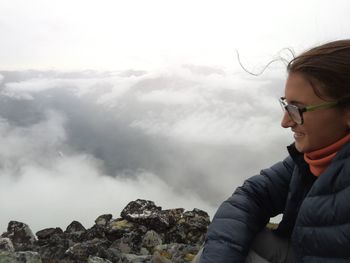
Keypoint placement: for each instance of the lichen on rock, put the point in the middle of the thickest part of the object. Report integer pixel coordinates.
(143, 233)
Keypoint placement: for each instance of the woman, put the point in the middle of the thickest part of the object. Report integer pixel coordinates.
(311, 187)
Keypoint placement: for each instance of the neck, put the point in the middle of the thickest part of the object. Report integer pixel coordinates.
(320, 159)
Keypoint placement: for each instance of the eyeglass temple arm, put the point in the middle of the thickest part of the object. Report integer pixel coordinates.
(321, 106)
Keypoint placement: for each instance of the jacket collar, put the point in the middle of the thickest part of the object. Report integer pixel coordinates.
(298, 157)
(304, 168)
(344, 152)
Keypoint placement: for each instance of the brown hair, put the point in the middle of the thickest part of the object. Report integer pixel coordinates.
(327, 68)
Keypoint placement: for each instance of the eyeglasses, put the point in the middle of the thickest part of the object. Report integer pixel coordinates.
(296, 113)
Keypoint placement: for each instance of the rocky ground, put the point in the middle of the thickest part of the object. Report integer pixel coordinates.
(143, 233)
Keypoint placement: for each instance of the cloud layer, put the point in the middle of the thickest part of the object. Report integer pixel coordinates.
(79, 144)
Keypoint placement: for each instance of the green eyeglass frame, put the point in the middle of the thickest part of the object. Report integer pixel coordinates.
(296, 113)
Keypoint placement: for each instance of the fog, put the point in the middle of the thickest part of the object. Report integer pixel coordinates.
(79, 144)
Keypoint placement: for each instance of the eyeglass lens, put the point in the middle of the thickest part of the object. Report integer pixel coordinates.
(294, 113)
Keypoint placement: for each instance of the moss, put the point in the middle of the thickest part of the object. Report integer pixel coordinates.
(189, 257)
(8, 257)
(165, 254)
(181, 221)
(122, 224)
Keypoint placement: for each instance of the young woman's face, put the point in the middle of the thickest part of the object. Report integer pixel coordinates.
(321, 127)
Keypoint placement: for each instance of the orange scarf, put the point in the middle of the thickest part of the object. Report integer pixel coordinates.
(320, 159)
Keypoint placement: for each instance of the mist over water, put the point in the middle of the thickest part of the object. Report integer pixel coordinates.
(75, 145)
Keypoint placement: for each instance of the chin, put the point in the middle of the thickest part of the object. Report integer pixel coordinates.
(301, 147)
(298, 148)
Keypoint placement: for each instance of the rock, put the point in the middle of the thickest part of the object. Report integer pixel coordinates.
(97, 260)
(52, 244)
(197, 219)
(139, 208)
(75, 231)
(103, 220)
(190, 229)
(54, 250)
(176, 253)
(160, 258)
(75, 227)
(118, 228)
(48, 232)
(144, 233)
(82, 251)
(151, 239)
(20, 257)
(174, 215)
(130, 242)
(122, 246)
(145, 212)
(112, 254)
(144, 251)
(6, 245)
(97, 231)
(131, 258)
(21, 236)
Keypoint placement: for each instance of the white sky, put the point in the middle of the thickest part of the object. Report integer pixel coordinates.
(115, 34)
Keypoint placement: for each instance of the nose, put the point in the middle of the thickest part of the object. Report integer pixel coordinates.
(287, 122)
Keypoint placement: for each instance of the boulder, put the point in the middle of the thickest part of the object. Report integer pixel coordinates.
(75, 227)
(132, 258)
(103, 220)
(97, 260)
(20, 257)
(21, 236)
(52, 244)
(48, 233)
(82, 251)
(146, 213)
(96, 231)
(144, 233)
(118, 228)
(75, 231)
(151, 239)
(6, 245)
(130, 241)
(175, 253)
(190, 229)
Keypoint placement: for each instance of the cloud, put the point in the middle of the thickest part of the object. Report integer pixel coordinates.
(86, 143)
(73, 188)
(34, 144)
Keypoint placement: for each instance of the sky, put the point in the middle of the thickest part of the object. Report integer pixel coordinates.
(103, 102)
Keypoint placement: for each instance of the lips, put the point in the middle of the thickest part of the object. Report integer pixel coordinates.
(298, 135)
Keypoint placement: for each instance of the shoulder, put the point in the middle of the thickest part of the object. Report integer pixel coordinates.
(344, 153)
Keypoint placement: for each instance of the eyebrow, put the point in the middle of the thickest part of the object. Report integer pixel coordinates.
(294, 101)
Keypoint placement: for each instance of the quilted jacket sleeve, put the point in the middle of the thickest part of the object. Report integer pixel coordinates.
(245, 213)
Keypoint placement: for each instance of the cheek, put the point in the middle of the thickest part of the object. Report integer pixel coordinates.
(324, 128)
(313, 125)
(323, 120)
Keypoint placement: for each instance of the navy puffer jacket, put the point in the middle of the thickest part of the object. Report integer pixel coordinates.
(316, 213)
